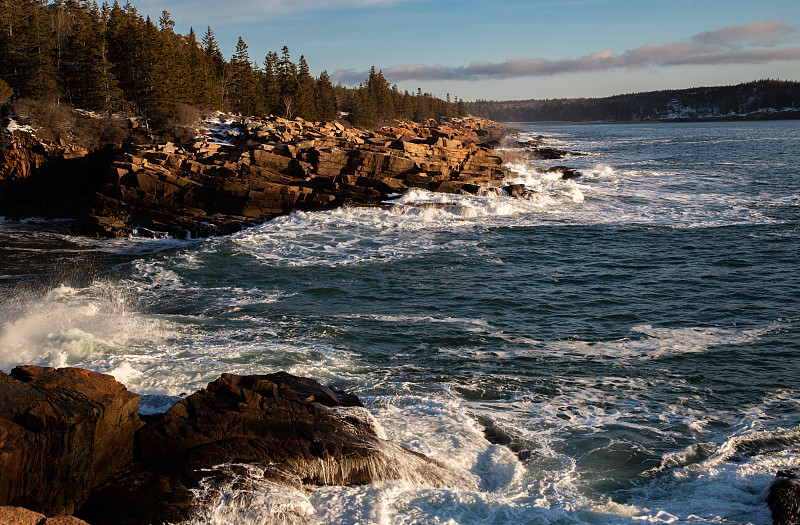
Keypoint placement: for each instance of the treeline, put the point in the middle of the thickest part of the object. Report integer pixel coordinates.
(758, 99)
(114, 59)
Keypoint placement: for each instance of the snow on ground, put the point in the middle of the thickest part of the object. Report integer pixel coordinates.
(219, 128)
(16, 126)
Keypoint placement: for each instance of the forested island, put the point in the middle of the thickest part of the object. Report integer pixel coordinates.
(762, 99)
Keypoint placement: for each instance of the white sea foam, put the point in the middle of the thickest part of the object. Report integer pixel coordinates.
(248, 498)
(662, 342)
(67, 326)
(548, 489)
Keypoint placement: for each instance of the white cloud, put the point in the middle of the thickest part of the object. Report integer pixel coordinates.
(762, 32)
(744, 44)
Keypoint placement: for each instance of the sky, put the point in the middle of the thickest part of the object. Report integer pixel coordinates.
(513, 49)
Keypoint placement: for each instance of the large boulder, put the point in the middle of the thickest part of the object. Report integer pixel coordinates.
(783, 497)
(290, 430)
(62, 432)
(323, 436)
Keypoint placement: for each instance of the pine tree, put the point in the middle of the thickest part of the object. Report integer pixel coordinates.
(203, 86)
(272, 89)
(325, 98)
(156, 99)
(364, 113)
(287, 80)
(244, 81)
(27, 49)
(173, 68)
(86, 70)
(407, 106)
(306, 106)
(218, 70)
(124, 50)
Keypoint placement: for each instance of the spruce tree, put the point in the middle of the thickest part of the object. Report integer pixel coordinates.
(364, 113)
(173, 69)
(27, 49)
(219, 70)
(244, 81)
(124, 50)
(325, 98)
(203, 86)
(287, 80)
(306, 106)
(272, 89)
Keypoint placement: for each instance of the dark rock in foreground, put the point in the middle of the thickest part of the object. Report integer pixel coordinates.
(293, 430)
(62, 432)
(70, 439)
(783, 497)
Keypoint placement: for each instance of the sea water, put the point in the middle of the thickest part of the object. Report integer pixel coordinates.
(620, 348)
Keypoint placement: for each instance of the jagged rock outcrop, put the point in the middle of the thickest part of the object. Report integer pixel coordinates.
(293, 430)
(258, 169)
(243, 173)
(20, 516)
(783, 497)
(62, 432)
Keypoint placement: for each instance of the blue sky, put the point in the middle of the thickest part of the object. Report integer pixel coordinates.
(481, 49)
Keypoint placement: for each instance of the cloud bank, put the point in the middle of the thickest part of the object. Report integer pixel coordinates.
(752, 43)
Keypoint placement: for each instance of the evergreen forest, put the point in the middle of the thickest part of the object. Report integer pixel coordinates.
(112, 58)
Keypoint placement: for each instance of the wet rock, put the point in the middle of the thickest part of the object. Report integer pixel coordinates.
(783, 497)
(291, 430)
(62, 432)
(286, 420)
(517, 191)
(548, 153)
(567, 173)
(495, 434)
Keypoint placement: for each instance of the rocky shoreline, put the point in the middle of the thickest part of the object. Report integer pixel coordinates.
(244, 171)
(93, 455)
(71, 442)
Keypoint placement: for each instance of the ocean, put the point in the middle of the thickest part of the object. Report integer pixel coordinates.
(620, 348)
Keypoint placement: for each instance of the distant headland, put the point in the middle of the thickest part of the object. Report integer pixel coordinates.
(757, 100)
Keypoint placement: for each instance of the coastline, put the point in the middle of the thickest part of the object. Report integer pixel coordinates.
(665, 326)
(242, 171)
